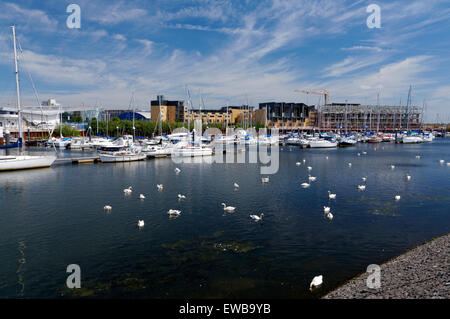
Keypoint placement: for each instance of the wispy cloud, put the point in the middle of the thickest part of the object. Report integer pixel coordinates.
(232, 49)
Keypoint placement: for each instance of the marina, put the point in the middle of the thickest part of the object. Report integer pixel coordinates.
(224, 158)
(206, 251)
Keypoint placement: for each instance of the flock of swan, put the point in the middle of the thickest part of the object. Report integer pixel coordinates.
(160, 187)
(317, 280)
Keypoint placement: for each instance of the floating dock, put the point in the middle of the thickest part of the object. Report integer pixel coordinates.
(78, 160)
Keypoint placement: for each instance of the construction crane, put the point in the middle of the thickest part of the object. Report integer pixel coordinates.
(321, 92)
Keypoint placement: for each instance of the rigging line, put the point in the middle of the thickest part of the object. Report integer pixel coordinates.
(50, 132)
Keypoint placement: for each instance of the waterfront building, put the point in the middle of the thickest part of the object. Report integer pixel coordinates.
(357, 117)
(166, 110)
(225, 115)
(285, 115)
(107, 115)
(36, 120)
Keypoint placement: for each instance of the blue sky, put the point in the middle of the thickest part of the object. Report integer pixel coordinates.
(229, 51)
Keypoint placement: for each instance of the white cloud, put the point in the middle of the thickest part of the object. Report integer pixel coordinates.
(119, 37)
(30, 19)
(257, 58)
(351, 64)
(363, 48)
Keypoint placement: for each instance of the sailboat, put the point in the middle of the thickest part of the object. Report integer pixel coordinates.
(19, 162)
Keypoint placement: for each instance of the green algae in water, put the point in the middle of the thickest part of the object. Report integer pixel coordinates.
(89, 290)
(235, 247)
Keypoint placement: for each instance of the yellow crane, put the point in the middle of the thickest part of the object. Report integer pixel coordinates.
(321, 92)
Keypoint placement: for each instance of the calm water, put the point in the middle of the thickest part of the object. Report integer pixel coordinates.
(51, 218)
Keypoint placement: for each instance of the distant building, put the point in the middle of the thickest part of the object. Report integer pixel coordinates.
(230, 115)
(138, 115)
(167, 111)
(284, 115)
(107, 115)
(36, 120)
(357, 117)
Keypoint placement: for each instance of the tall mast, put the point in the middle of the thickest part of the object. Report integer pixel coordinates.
(408, 103)
(19, 111)
(378, 112)
(160, 116)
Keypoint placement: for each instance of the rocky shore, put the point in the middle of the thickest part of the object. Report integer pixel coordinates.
(421, 273)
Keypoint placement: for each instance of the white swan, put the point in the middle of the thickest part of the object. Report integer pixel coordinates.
(417, 156)
(397, 197)
(142, 196)
(326, 209)
(228, 208)
(364, 153)
(359, 154)
(256, 217)
(326, 157)
(448, 163)
(392, 166)
(265, 179)
(408, 177)
(309, 168)
(160, 187)
(362, 187)
(128, 190)
(177, 170)
(441, 161)
(364, 179)
(107, 207)
(298, 163)
(174, 212)
(236, 185)
(305, 185)
(304, 161)
(350, 164)
(140, 223)
(181, 196)
(317, 281)
(330, 216)
(331, 196)
(311, 178)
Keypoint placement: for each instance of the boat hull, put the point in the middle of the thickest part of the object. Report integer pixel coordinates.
(411, 139)
(322, 144)
(193, 152)
(108, 158)
(13, 163)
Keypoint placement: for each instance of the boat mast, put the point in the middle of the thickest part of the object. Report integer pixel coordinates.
(408, 103)
(19, 111)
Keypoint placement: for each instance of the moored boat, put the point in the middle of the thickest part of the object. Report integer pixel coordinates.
(321, 143)
(11, 163)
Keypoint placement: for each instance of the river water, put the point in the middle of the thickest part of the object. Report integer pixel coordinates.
(51, 218)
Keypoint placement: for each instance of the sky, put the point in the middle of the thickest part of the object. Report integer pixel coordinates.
(228, 52)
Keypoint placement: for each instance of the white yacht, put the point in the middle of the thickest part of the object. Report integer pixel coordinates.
(124, 155)
(411, 139)
(321, 143)
(267, 140)
(79, 143)
(60, 142)
(159, 150)
(8, 163)
(185, 149)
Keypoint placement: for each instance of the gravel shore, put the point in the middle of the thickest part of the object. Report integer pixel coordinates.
(421, 273)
